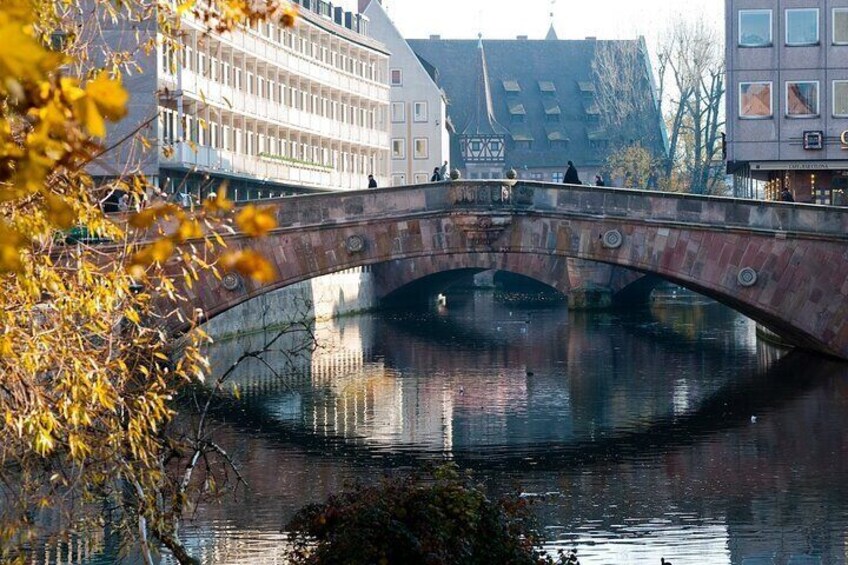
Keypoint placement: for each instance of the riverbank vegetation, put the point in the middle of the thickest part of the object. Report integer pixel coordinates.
(439, 518)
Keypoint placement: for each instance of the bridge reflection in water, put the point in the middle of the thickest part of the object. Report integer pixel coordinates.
(634, 430)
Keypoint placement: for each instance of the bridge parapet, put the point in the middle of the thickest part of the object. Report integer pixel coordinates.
(583, 201)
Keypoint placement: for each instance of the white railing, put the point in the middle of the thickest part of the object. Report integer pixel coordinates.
(230, 99)
(259, 168)
(300, 65)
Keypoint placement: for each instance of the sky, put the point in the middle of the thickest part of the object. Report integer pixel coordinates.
(573, 19)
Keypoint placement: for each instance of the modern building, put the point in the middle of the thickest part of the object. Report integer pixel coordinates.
(420, 131)
(534, 105)
(787, 97)
(273, 110)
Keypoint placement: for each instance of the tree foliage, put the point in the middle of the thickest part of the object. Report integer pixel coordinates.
(689, 98)
(440, 519)
(691, 76)
(87, 379)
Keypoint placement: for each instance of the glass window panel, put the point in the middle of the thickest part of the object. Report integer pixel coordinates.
(398, 112)
(802, 99)
(421, 148)
(755, 100)
(840, 26)
(398, 148)
(755, 28)
(802, 26)
(840, 98)
(420, 111)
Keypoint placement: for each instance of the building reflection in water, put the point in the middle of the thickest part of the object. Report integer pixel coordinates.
(634, 430)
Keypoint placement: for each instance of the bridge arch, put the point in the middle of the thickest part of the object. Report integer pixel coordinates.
(566, 275)
(783, 265)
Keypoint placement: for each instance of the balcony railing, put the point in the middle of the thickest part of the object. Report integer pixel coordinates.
(268, 168)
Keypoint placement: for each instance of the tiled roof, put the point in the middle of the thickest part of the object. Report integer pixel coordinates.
(551, 81)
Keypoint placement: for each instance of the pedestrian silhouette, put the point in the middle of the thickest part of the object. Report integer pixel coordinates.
(437, 175)
(786, 196)
(372, 182)
(571, 175)
(599, 180)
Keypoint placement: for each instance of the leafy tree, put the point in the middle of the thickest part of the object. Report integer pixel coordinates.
(692, 81)
(440, 519)
(634, 165)
(87, 379)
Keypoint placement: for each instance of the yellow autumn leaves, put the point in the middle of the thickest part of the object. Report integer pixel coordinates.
(251, 220)
(86, 365)
(45, 126)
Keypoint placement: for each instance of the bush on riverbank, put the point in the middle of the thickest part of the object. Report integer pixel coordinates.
(439, 519)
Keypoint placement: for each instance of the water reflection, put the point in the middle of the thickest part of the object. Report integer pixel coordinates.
(633, 432)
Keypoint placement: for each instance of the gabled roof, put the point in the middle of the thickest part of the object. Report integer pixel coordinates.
(553, 75)
(481, 120)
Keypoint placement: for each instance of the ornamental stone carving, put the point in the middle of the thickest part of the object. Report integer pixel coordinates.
(231, 281)
(747, 277)
(612, 239)
(355, 244)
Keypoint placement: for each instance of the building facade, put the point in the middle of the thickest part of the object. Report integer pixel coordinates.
(534, 105)
(273, 110)
(420, 135)
(787, 97)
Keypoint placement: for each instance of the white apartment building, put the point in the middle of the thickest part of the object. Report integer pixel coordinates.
(420, 139)
(273, 110)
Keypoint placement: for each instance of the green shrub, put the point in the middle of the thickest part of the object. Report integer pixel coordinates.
(440, 519)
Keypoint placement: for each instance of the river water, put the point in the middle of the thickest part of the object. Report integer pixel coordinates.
(665, 432)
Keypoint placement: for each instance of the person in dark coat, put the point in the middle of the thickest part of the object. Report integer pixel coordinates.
(571, 175)
(599, 180)
(786, 196)
(372, 182)
(437, 175)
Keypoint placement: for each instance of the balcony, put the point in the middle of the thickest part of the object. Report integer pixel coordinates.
(229, 99)
(259, 168)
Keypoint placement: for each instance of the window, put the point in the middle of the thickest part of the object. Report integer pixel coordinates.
(557, 177)
(476, 146)
(755, 28)
(840, 26)
(422, 148)
(398, 116)
(802, 26)
(398, 148)
(755, 100)
(398, 179)
(840, 98)
(802, 99)
(397, 77)
(421, 178)
(419, 111)
(495, 147)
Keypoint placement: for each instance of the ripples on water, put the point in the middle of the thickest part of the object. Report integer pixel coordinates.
(632, 432)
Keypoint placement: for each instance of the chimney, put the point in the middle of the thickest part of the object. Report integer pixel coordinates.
(435, 37)
(521, 38)
(591, 38)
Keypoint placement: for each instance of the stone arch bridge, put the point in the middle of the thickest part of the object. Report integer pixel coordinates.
(783, 265)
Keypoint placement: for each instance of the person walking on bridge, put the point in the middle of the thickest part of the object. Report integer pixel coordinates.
(571, 175)
(372, 182)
